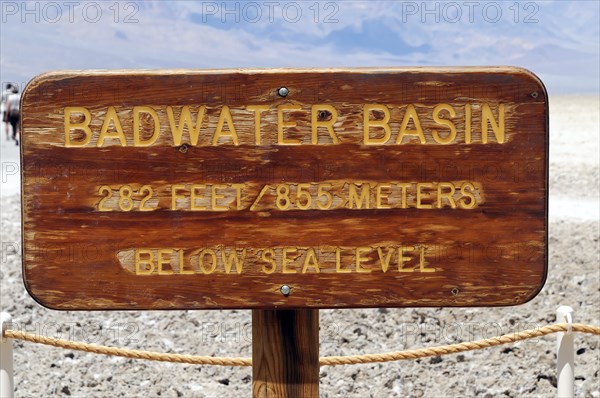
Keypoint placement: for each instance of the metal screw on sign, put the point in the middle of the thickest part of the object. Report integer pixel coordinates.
(285, 290)
(283, 92)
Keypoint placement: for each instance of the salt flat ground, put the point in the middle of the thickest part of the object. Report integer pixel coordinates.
(523, 369)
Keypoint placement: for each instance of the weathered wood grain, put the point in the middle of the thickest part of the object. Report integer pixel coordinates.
(285, 353)
(427, 248)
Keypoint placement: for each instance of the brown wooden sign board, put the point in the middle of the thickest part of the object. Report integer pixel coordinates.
(214, 189)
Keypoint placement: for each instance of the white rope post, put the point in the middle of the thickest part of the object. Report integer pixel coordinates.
(565, 356)
(6, 360)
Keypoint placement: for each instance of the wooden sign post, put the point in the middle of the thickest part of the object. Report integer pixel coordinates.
(285, 191)
(285, 353)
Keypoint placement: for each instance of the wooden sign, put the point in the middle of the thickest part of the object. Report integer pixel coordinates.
(285, 188)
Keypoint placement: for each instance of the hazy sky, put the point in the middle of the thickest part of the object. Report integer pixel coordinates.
(558, 40)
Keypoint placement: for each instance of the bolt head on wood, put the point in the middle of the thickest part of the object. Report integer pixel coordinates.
(285, 290)
(283, 92)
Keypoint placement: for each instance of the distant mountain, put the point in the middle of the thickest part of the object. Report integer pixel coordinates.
(558, 40)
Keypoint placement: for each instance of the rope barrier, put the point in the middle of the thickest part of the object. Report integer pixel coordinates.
(126, 352)
(324, 361)
(459, 347)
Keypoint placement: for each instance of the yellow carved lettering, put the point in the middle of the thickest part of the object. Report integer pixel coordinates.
(360, 259)
(82, 126)
(216, 196)
(422, 266)
(232, 258)
(467, 123)
(403, 186)
(464, 190)
(444, 122)
(402, 258)
(194, 194)
(328, 124)
(379, 196)
(411, 114)
(338, 262)
(213, 261)
(285, 260)
(137, 139)
(268, 256)
(311, 261)
(420, 194)
(238, 195)
(185, 120)
(111, 116)
(144, 266)
(383, 123)
(385, 261)
(487, 119)
(225, 117)
(175, 195)
(446, 190)
(182, 269)
(358, 201)
(281, 124)
(258, 109)
(161, 260)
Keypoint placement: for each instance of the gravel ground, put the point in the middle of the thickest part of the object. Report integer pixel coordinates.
(523, 369)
